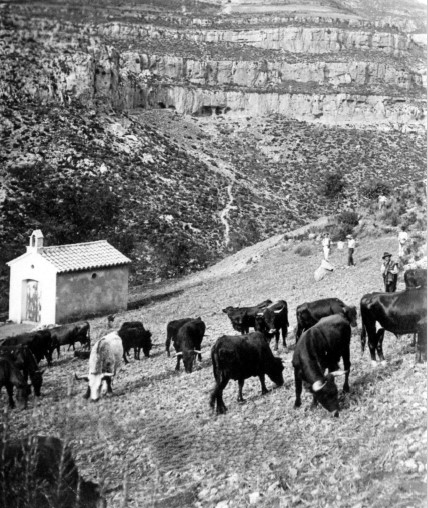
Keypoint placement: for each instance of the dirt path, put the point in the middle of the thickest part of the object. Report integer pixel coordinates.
(224, 214)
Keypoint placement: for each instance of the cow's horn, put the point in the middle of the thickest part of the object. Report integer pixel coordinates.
(196, 351)
(318, 385)
(339, 373)
(81, 378)
(259, 314)
(278, 311)
(178, 354)
(107, 374)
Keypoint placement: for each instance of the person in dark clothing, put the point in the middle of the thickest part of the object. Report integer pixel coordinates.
(389, 271)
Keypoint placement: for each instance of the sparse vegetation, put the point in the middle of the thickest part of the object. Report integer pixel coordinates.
(303, 250)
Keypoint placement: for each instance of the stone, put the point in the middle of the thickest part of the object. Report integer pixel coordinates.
(411, 465)
(254, 497)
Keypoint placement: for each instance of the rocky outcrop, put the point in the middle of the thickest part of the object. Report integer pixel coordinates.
(349, 84)
(265, 73)
(296, 39)
(335, 109)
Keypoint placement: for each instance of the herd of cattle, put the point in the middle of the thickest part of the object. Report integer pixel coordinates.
(323, 337)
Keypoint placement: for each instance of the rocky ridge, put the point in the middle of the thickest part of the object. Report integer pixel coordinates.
(95, 60)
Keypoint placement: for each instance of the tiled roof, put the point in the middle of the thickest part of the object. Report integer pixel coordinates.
(83, 256)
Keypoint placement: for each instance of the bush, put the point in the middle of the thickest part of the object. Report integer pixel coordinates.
(392, 219)
(348, 218)
(339, 232)
(303, 250)
(375, 188)
(333, 185)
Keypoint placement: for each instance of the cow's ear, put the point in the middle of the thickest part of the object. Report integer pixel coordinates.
(337, 373)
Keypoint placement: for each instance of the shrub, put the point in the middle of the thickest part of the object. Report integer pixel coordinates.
(348, 217)
(392, 219)
(411, 218)
(339, 232)
(333, 185)
(375, 188)
(303, 250)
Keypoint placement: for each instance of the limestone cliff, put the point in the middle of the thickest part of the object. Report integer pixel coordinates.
(372, 85)
(295, 39)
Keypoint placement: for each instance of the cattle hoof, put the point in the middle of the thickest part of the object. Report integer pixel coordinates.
(336, 414)
(242, 401)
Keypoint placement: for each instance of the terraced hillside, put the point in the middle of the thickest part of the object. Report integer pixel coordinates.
(204, 126)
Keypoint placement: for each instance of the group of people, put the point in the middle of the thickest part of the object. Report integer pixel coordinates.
(326, 245)
(389, 267)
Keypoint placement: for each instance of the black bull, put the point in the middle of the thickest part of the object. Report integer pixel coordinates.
(309, 313)
(400, 313)
(24, 360)
(414, 278)
(188, 342)
(274, 319)
(240, 357)
(320, 348)
(242, 318)
(40, 343)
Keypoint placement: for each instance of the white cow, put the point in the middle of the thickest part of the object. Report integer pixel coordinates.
(104, 361)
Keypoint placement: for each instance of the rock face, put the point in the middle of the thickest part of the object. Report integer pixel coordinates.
(339, 108)
(357, 75)
(274, 73)
(313, 63)
(294, 39)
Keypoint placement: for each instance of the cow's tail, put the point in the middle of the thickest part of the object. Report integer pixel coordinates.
(363, 330)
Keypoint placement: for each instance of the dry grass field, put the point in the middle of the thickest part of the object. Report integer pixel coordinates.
(155, 442)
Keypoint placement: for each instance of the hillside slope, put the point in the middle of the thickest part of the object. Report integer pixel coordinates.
(157, 427)
(182, 131)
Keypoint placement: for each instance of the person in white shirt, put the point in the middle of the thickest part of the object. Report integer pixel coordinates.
(351, 247)
(326, 245)
(402, 240)
(382, 201)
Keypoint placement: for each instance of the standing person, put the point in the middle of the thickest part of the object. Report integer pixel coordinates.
(402, 241)
(382, 201)
(389, 271)
(326, 245)
(351, 247)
